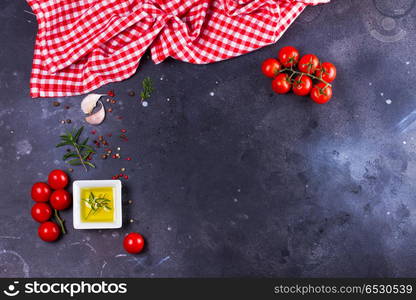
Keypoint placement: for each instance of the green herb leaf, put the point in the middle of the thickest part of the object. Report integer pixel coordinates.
(81, 150)
(147, 88)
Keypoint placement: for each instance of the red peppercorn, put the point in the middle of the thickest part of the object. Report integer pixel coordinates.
(128, 158)
(114, 177)
(120, 175)
(110, 93)
(93, 131)
(114, 156)
(126, 177)
(109, 135)
(123, 130)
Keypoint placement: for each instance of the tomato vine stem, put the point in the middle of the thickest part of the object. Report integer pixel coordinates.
(60, 221)
(302, 73)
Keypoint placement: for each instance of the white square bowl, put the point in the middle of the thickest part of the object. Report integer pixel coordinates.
(76, 195)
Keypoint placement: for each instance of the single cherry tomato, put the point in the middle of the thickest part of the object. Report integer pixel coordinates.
(321, 93)
(302, 85)
(288, 56)
(58, 179)
(60, 199)
(281, 84)
(41, 212)
(49, 231)
(308, 63)
(326, 71)
(41, 192)
(270, 67)
(133, 243)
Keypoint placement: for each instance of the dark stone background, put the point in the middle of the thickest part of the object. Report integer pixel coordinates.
(242, 183)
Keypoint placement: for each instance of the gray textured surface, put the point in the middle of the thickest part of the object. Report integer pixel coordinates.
(241, 183)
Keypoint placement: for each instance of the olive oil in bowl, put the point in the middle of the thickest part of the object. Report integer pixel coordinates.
(97, 204)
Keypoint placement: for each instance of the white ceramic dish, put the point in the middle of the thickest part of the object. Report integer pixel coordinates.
(76, 194)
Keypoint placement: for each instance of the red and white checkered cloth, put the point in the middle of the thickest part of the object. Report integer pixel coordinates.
(84, 44)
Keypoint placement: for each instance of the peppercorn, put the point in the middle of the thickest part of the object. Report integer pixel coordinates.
(104, 156)
(132, 93)
(68, 121)
(56, 103)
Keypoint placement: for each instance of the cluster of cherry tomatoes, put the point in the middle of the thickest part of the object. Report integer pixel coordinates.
(300, 81)
(50, 198)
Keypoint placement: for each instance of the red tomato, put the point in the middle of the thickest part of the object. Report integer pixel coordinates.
(60, 199)
(58, 179)
(281, 84)
(133, 243)
(270, 67)
(41, 212)
(321, 93)
(49, 231)
(308, 63)
(288, 56)
(302, 85)
(41, 192)
(327, 71)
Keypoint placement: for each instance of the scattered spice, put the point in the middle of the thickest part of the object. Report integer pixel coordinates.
(110, 93)
(126, 177)
(108, 100)
(123, 169)
(132, 93)
(110, 110)
(131, 221)
(93, 131)
(56, 103)
(68, 121)
(104, 156)
(62, 121)
(123, 130)
(128, 158)
(130, 201)
(113, 101)
(67, 107)
(70, 170)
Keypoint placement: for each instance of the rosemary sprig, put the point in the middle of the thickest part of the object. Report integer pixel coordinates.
(81, 150)
(95, 204)
(147, 89)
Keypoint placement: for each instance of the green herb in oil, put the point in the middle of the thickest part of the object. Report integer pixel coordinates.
(96, 204)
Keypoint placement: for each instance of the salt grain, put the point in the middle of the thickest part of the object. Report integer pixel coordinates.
(145, 104)
(388, 101)
(212, 94)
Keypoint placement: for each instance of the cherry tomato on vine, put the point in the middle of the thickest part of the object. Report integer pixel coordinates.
(288, 56)
(58, 179)
(321, 93)
(302, 85)
(41, 192)
(41, 212)
(308, 63)
(270, 67)
(327, 71)
(60, 199)
(281, 84)
(133, 243)
(49, 231)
